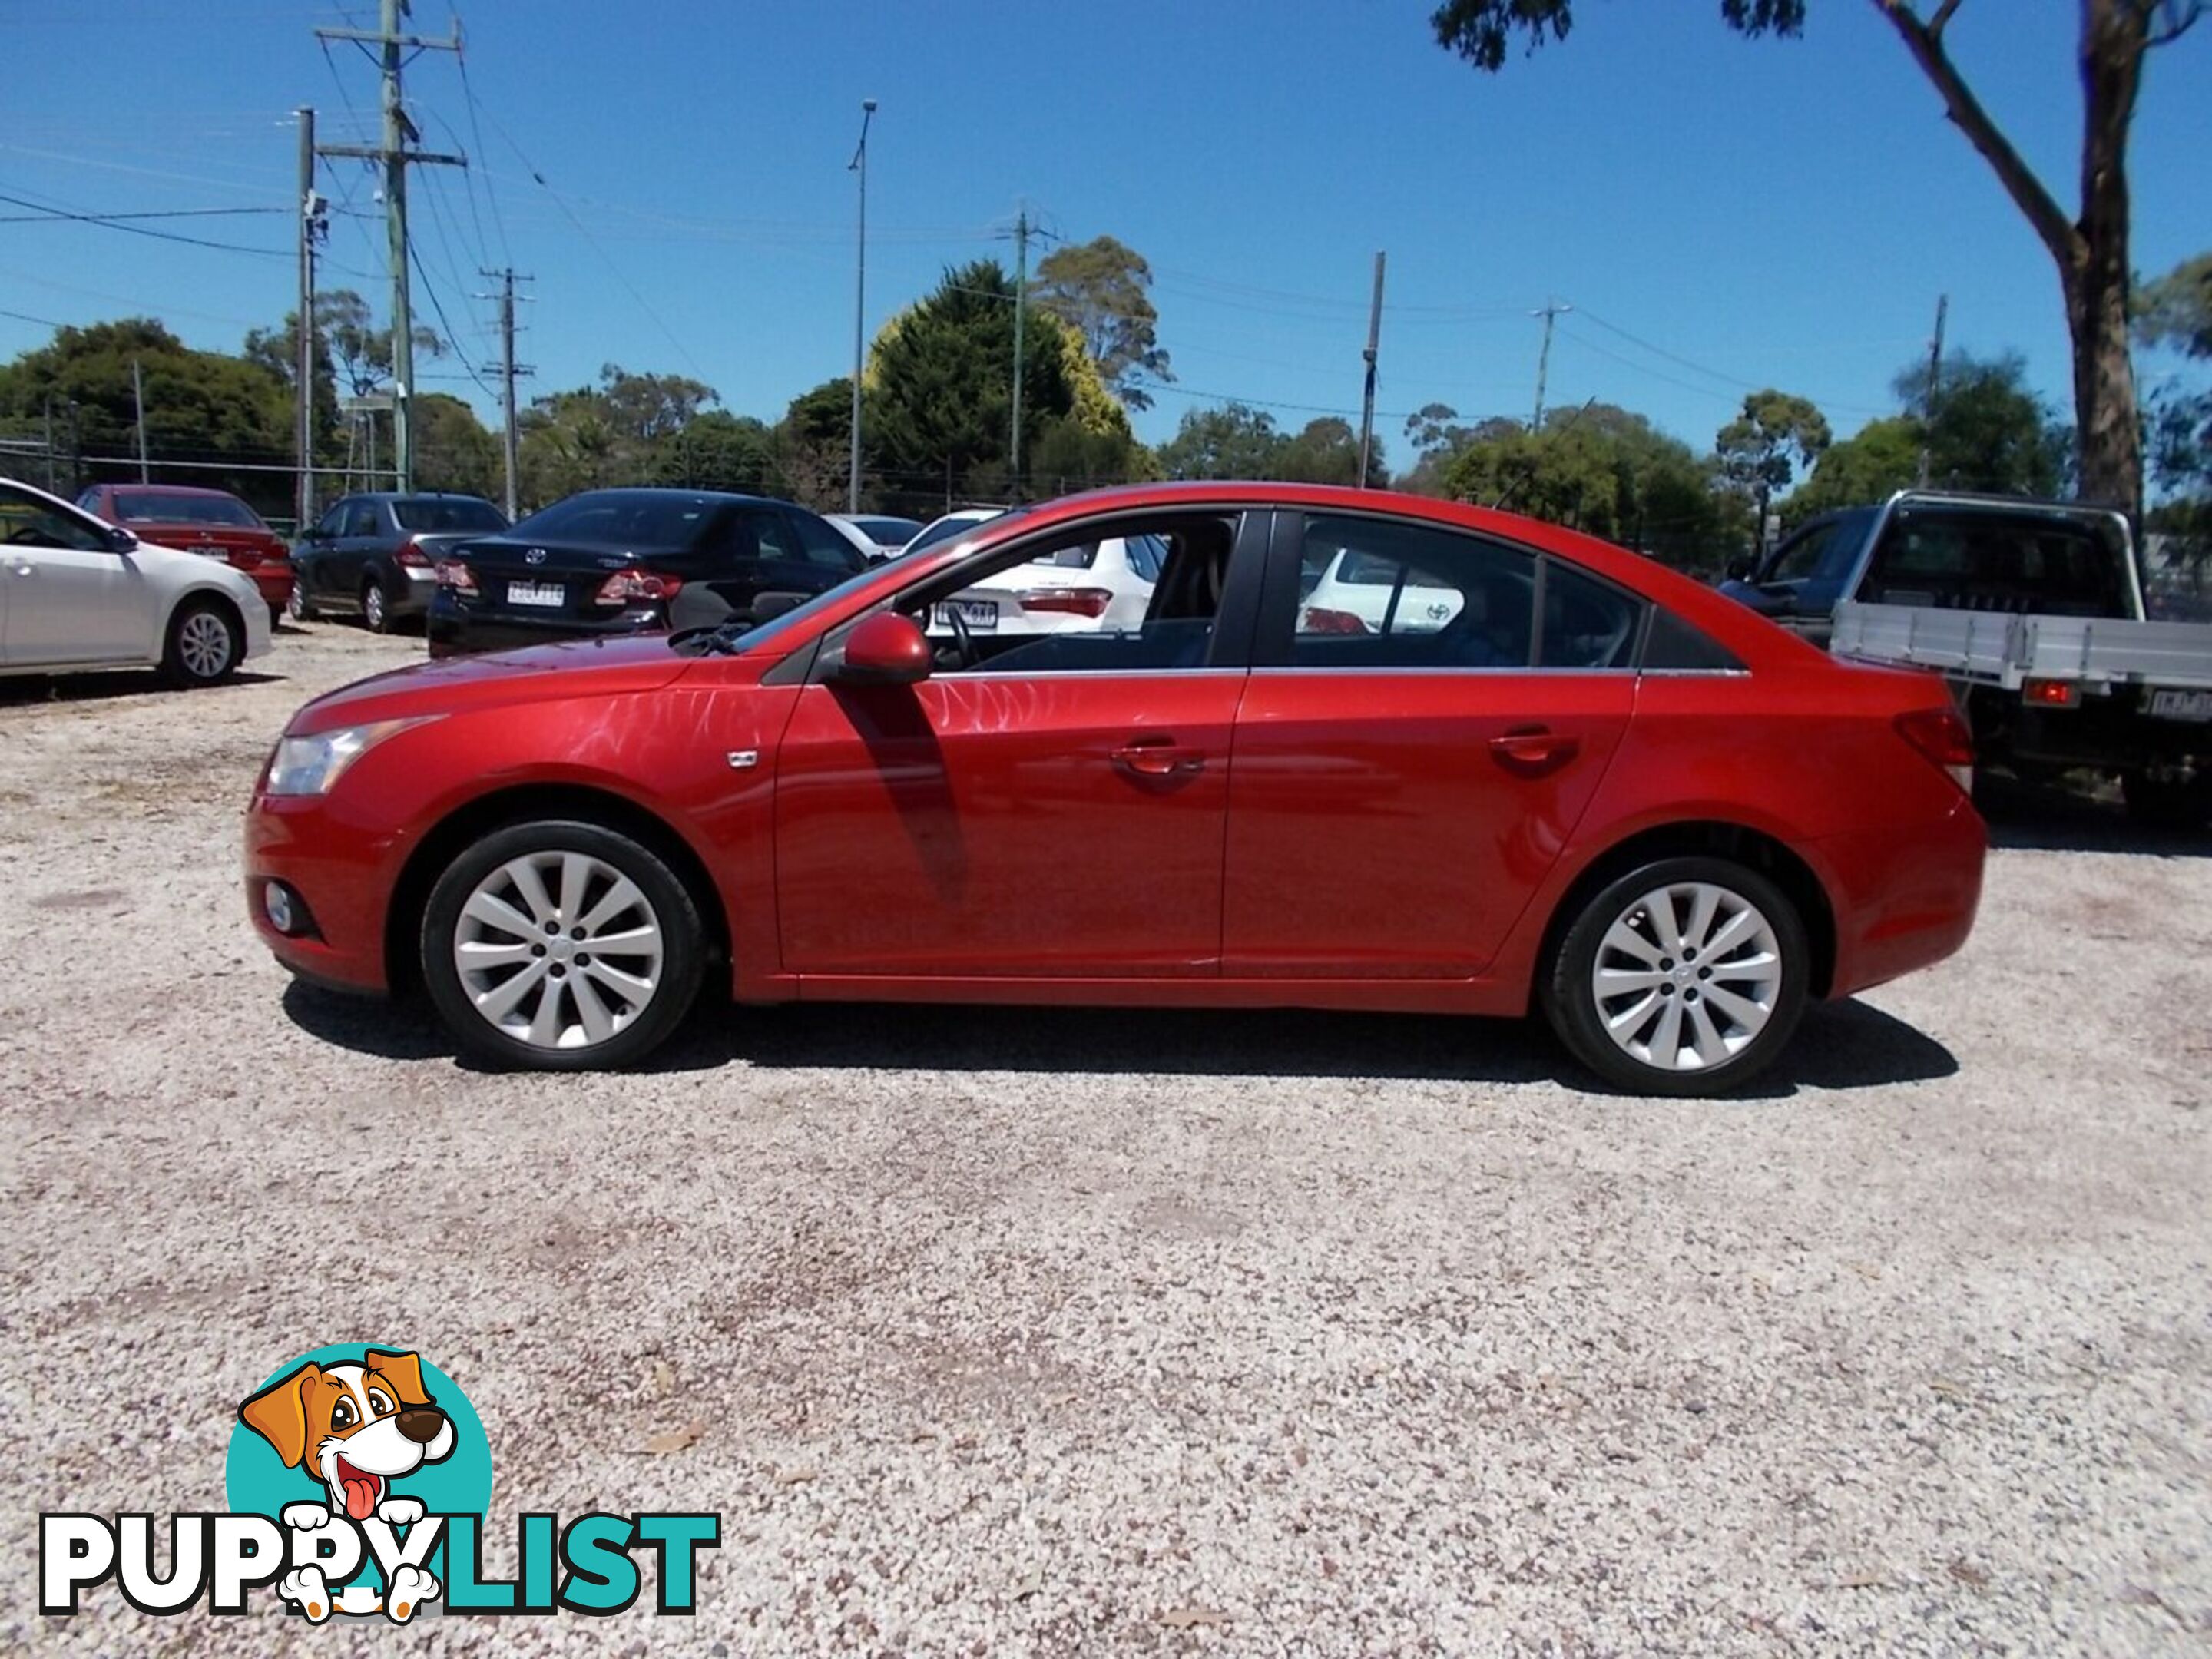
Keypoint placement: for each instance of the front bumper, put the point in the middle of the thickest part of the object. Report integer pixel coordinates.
(340, 874)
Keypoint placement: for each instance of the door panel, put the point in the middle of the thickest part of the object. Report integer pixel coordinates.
(65, 607)
(1395, 824)
(1006, 824)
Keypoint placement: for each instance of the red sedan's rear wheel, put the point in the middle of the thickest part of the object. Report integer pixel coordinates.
(1685, 976)
(560, 947)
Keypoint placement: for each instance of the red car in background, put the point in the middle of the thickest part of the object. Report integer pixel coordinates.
(194, 520)
(1520, 770)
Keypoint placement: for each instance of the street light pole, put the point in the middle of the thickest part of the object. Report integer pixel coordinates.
(860, 165)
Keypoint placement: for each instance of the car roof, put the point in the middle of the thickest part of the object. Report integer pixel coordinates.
(136, 488)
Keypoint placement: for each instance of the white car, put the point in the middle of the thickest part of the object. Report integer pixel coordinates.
(78, 592)
(1102, 586)
(877, 535)
(957, 522)
(1360, 594)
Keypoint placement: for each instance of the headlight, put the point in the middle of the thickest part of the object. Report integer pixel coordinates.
(313, 766)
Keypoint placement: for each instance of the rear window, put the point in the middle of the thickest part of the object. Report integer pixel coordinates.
(626, 521)
(170, 506)
(434, 514)
(886, 533)
(944, 530)
(2008, 561)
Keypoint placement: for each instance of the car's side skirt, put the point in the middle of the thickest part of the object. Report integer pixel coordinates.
(1411, 996)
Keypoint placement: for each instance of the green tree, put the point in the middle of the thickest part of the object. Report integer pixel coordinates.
(1880, 458)
(1438, 438)
(811, 448)
(942, 381)
(201, 407)
(719, 451)
(1232, 442)
(1987, 430)
(454, 450)
(1761, 450)
(2089, 249)
(1328, 452)
(1101, 288)
(2175, 314)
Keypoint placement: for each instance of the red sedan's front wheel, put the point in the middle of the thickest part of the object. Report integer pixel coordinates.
(560, 947)
(1685, 976)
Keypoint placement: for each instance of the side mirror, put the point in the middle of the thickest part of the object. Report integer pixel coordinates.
(120, 540)
(885, 649)
(1742, 570)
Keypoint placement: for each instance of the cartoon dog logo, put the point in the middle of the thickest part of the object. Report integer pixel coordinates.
(356, 1429)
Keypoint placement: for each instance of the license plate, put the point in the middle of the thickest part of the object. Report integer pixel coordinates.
(536, 593)
(979, 614)
(2181, 705)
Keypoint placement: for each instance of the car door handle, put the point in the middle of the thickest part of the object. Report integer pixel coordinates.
(1157, 757)
(1534, 749)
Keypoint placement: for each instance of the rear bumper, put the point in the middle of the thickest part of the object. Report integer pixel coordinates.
(412, 594)
(1904, 899)
(273, 582)
(456, 627)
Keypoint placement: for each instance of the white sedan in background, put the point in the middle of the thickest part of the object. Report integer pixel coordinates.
(1362, 593)
(1102, 586)
(879, 536)
(77, 593)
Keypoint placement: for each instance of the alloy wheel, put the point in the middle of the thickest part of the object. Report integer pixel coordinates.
(372, 606)
(205, 645)
(558, 950)
(1687, 977)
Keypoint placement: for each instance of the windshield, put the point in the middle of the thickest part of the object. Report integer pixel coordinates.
(169, 506)
(732, 638)
(944, 530)
(1822, 551)
(626, 518)
(434, 513)
(886, 533)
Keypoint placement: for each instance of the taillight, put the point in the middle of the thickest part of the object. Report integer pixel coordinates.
(2050, 694)
(453, 574)
(1320, 619)
(1069, 601)
(412, 556)
(1944, 739)
(634, 587)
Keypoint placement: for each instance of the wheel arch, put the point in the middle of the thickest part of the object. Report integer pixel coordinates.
(1713, 838)
(580, 802)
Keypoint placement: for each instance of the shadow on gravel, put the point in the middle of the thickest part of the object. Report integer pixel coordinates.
(102, 685)
(2056, 818)
(1845, 1045)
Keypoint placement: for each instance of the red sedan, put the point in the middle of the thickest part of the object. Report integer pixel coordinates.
(193, 520)
(1503, 766)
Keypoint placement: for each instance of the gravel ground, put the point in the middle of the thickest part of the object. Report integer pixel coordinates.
(1118, 1332)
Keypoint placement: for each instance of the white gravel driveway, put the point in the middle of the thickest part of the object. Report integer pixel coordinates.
(1114, 1333)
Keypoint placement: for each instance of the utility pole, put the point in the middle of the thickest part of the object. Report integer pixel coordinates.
(860, 165)
(1935, 383)
(138, 398)
(303, 369)
(1374, 343)
(395, 155)
(1550, 311)
(1021, 287)
(508, 369)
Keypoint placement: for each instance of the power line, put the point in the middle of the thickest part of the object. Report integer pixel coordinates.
(116, 218)
(476, 131)
(141, 230)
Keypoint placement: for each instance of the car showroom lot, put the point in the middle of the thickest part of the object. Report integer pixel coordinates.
(1135, 1332)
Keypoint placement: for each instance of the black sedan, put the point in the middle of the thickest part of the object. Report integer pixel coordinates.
(615, 561)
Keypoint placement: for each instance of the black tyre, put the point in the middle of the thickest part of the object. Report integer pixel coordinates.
(557, 945)
(375, 607)
(206, 641)
(1684, 976)
(2168, 801)
(298, 607)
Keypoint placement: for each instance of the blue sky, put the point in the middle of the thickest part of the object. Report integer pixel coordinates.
(1722, 215)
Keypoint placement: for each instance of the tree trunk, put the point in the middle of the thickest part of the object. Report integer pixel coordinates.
(2107, 436)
